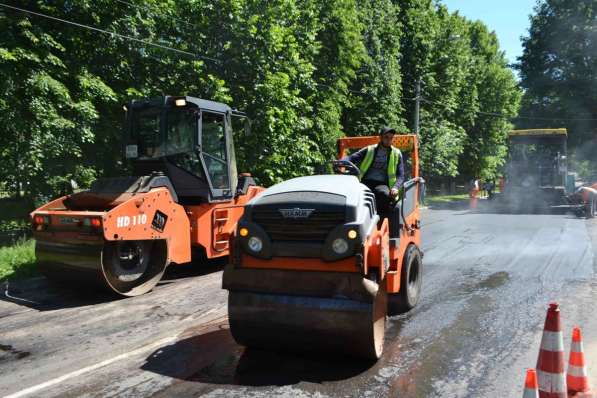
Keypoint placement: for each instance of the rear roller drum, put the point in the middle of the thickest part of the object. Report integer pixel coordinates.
(128, 268)
(309, 324)
(132, 268)
(410, 279)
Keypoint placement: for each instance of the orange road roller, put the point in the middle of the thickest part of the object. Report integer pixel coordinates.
(182, 201)
(314, 267)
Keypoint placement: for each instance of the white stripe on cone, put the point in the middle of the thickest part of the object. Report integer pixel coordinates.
(552, 341)
(551, 382)
(576, 346)
(530, 393)
(577, 371)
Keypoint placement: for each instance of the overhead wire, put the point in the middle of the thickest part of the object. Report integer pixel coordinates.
(199, 56)
(113, 34)
(147, 8)
(119, 35)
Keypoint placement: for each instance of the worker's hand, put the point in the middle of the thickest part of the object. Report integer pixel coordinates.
(394, 192)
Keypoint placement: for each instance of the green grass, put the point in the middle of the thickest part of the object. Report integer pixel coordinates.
(447, 198)
(17, 261)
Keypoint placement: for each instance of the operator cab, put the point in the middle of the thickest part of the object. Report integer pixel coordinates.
(537, 158)
(189, 140)
(403, 206)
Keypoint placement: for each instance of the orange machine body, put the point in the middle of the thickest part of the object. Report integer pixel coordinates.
(144, 216)
(585, 194)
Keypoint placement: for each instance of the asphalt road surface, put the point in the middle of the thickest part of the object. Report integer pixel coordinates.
(487, 281)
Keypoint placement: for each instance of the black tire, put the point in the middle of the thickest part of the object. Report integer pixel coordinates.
(411, 278)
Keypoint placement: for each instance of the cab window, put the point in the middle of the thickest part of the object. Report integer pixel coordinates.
(181, 130)
(213, 146)
(146, 132)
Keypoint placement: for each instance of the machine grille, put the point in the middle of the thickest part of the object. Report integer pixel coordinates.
(314, 228)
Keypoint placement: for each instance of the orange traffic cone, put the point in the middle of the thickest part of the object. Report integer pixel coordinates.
(550, 364)
(531, 388)
(576, 378)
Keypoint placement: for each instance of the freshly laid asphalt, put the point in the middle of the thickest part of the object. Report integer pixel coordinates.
(488, 279)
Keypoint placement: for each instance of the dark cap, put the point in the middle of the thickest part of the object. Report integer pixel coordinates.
(386, 129)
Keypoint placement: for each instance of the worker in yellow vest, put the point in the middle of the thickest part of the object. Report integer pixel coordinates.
(381, 169)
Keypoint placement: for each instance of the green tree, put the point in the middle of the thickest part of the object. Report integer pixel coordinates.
(305, 71)
(494, 96)
(434, 52)
(47, 110)
(558, 70)
(375, 96)
(289, 65)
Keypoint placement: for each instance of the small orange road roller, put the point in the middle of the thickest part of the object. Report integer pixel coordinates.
(314, 268)
(183, 200)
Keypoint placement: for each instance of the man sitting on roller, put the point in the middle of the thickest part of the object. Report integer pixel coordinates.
(382, 169)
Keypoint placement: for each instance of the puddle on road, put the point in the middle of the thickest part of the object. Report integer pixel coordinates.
(468, 283)
(495, 280)
(443, 362)
(441, 358)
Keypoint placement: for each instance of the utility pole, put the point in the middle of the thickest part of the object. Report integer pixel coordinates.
(417, 105)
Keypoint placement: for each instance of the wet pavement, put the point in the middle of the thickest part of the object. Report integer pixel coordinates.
(487, 281)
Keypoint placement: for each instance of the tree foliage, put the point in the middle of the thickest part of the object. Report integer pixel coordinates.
(558, 71)
(305, 71)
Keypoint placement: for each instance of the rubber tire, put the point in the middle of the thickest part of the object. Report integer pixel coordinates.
(410, 292)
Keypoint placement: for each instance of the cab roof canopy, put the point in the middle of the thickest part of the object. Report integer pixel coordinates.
(169, 100)
(538, 135)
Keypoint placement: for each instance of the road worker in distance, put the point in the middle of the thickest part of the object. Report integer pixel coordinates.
(381, 169)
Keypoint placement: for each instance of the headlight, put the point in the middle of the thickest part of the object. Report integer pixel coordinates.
(255, 244)
(340, 246)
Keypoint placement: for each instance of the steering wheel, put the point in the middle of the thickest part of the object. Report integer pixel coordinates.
(345, 167)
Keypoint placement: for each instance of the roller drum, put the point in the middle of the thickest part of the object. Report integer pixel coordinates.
(308, 324)
(127, 268)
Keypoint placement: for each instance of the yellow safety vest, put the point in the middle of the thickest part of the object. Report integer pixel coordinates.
(392, 164)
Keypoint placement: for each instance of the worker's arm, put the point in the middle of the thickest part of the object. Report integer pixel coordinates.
(356, 157)
(399, 173)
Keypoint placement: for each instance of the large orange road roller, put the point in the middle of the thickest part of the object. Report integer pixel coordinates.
(182, 201)
(314, 268)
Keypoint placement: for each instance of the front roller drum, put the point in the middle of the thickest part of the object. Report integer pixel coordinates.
(127, 268)
(308, 324)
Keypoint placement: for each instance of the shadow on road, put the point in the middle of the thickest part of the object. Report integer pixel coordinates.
(196, 268)
(448, 205)
(497, 206)
(41, 294)
(215, 358)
